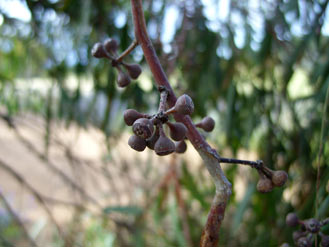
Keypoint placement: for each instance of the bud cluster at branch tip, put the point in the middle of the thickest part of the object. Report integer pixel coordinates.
(309, 228)
(108, 49)
(149, 130)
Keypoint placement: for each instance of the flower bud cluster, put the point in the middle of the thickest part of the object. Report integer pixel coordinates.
(149, 130)
(108, 49)
(268, 179)
(308, 229)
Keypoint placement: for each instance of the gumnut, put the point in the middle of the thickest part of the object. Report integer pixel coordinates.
(177, 131)
(292, 219)
(131, 115)
(123, 79)
(134, 70)
(279, 178)
(184, 105)
(164, 145)
(137, 143)
(312, 225)
(111, 45)
(304, 242)
(143, 128)
(150, 143)
(207, 124)
(180, 147)
(98, 50)
(264, 184)
(297, 235)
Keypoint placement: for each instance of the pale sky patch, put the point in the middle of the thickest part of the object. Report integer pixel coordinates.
(16, 9)
(215, 11)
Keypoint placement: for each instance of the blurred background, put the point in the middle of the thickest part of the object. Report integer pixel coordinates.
(68, 176)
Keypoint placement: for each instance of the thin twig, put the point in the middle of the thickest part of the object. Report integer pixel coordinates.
(17, 220)
(132, 46)
(254, 164)
(35, 193)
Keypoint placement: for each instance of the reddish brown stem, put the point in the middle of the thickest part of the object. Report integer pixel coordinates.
(132, 46)
(210, 233)
(209, 155)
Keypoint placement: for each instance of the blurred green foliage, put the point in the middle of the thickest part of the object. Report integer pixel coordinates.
(261, 69)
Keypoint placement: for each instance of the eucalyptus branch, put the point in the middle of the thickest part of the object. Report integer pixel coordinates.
(209, 156)
(145, 135)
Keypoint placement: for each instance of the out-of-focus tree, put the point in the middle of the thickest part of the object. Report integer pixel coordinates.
(260, 68)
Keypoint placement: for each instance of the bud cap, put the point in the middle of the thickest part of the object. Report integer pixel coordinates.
(279, 178)
(131, 115)
(137, 143)
(98, 50)
(184, 105)
(134, 70)
(264, 185)
(143, 128)
(207, 124)
(123, 79)
(111, 45)
(180, 147)
(292, 219)
(164, 146)
(177, 131)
